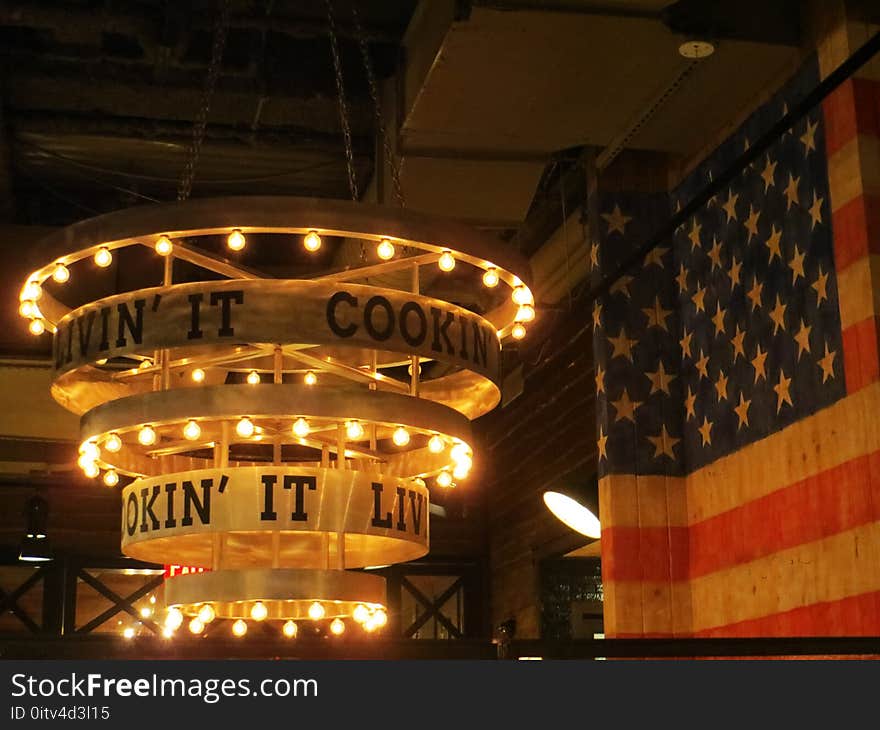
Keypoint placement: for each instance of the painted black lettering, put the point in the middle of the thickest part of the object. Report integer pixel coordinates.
(416, 516)
(131, 513)
(269, 481)
(170, 520)
(377, 508)
(333, 323)
(226, 298)
(195, 304)
(85, 337)
(191, 499)
(134, 325)
(441, 331)
(301, 483)
(147, 508)
(372, 304)
(413, 340)
(401, 509)
(481, 344)
(104, 344)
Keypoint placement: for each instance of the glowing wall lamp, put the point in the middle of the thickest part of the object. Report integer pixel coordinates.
(35, 547)
(577, 506)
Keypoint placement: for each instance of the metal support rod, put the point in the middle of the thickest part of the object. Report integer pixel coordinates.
(325, 549)
(325, 456)
(277, 364)
(276, 548)
(414, 360)
(340, 446)
(340, 550)
(216, 550)
(224, 444)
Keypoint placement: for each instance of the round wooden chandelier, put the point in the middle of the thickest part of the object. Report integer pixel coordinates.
(278, 432)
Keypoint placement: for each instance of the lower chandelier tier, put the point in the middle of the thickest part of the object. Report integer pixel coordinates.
(286, 594)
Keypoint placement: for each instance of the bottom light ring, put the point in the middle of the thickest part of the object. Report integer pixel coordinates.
(286, 593)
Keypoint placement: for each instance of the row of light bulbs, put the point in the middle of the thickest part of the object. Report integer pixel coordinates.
(236, 241)
(371, 619)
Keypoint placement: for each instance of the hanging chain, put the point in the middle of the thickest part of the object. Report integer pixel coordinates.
(377, 109)
(184, 186)
(343, 105)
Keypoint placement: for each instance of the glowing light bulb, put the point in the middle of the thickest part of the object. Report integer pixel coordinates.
(196, 626)
(152, 599)
(236, 240)
(103, 257)
(317, 611)
(192, 430)
(526, 313)
(32, 290)
(518, 331)
(259, 611)
(461, 471)
(361, 613)
(460, 451)
(90, 449)
(436, 445)
(146, 612)
(310, 378)
(354, 430)
(167, 633)
(312, 241)
(522, 295)
(113, 443)
(290, 629)
(27, 308)
(111, 478)
(128, 632)
(446, 261)
(301, 428)
(83, 461)
(370, 624)
(400, 437)
(198, 375)
(239, 628)
(174, 619)
(245, 428)
(61, 273)
(337, 627)
(253, 378)
(147, 436)
(490, 278)
(385, 250)
(91, 470)
(207, 614)
(36, 327)
(164, 246)
(145, 364)
(444, 479)
(380, 617)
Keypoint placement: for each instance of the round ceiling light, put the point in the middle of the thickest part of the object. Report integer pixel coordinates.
(573, 514)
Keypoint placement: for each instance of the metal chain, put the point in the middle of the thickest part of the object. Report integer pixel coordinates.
(343, 105)
(377, 109)
(188, 174)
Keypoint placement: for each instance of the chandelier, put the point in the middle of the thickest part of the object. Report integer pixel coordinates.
(278, 434)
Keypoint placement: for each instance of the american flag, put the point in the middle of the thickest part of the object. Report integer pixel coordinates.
(730, 331)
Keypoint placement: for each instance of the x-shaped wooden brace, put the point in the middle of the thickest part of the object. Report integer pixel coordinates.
(119, 603)
(9, 601)
(433, 608)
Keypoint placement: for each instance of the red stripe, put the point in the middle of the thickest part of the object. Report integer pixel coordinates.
(853, 108)
(820, 506)
(860, 357)
(645, 553)
(851, 616)
(856, 227)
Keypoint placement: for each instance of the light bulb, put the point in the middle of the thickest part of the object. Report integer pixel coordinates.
(146, 612)
(164, 246)
(461, 471)
(90, 449)
(312, 241)
(380, 617)
(111, 478)
(518, 331)
(522, 295)
(337, 627)
(207, 614)
(444, 479)
(113, 443)
(36, 327)
(310, 378)
(385, 250)
(245, 428)
(196, 626)
(103, 257)
(526, 313)
(289, 629)
(361, 613)
(490, 278)
(192, 430)
(32, 290)
(128, 632)
(436, 445)
(198, 375)
(83, 461)
(27, 308)
(253, 378)
(370, 624)
(239, 628)
(460, 451)
(317, 611)
(259, 611)
(61, 273)
(145, 364)
(174, 619)
(447, 261)
(400, 436)
(354, 430)
(419, 481)
(167, 633)
(147, 436)
(301, 428)
(152, 599)
(236, 240)
(91, 470)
